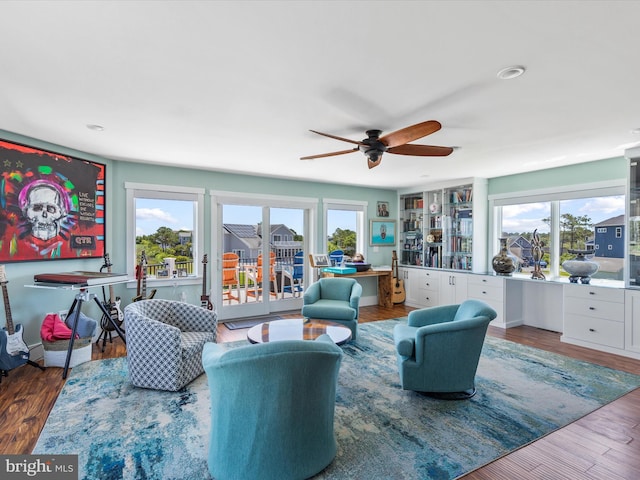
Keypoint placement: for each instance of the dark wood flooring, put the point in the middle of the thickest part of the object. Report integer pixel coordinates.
(603, 444)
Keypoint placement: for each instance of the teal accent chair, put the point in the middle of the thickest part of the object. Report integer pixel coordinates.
(335, 299)
(439, 348)
(272, 408)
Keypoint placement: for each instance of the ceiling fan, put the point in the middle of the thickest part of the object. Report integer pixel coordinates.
(396, 142)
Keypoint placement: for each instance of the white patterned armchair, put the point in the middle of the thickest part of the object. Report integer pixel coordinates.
(165, 340)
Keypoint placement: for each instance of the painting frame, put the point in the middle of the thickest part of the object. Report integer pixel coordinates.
(54, 205)
(319, 260)
(382, 233)
(382, 208)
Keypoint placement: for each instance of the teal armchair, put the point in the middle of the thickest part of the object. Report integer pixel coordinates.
(439, 348)
(336, 299)
(272, 408)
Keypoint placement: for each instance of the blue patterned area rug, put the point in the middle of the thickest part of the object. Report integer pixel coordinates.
(383, 432)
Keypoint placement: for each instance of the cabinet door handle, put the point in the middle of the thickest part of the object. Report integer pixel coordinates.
(592, 293)
(592, 308)
(484, 293)
(592, 329)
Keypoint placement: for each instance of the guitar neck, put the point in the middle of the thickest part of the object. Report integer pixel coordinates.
(7, 309)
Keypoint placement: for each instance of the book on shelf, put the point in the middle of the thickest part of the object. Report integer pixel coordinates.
(81, 278)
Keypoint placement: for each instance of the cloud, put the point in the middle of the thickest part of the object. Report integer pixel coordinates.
(155, 214)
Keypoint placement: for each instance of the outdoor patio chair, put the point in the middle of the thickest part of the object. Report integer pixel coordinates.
(230, 277)
(254, 273)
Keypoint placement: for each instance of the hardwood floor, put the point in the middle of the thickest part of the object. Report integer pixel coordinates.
(601, 445)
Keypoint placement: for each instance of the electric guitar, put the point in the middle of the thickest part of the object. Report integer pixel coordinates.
(113, 305)
(205, 300)
(141, 275)
(397, 291)
(13, 351)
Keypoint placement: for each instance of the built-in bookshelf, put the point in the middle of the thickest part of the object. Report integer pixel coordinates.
(437, 228)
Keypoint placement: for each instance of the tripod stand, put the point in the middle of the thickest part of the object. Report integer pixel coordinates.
(83, 296)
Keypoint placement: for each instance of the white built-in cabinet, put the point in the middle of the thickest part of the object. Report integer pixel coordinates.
(594, 316)
(453, 287)
(632, 321)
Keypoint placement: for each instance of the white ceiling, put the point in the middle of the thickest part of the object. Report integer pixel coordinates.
(236, 86)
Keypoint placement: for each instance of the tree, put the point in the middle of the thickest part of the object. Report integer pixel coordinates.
(344, 240)
(578, 227)
(166, 238)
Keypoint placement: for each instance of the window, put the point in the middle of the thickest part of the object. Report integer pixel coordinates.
(565, 221)
(164, 221)
(344, 226)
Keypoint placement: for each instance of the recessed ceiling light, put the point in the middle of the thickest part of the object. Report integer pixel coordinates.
(96, 128)
(511, 72)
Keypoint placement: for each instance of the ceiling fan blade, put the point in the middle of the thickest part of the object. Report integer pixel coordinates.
(409, 134)
(337, 138)
(421, 150)
(341, 152)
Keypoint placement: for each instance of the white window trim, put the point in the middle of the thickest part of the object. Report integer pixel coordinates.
(362, 230)
(552, 195)
(167, 192)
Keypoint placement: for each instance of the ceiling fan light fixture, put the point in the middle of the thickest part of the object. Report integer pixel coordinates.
(513, 71)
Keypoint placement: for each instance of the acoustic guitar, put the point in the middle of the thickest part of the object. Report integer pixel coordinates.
(205, 300)
(397, 291)
(13, 351)
(141, 275)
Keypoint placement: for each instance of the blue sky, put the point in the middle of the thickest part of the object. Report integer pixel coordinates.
(527, 217)
(152, 214)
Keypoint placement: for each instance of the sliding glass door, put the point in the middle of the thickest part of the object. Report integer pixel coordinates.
(260, 246)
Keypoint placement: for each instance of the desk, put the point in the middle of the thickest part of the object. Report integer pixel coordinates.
(384, 283)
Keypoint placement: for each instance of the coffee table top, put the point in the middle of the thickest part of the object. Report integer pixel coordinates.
(298, 329)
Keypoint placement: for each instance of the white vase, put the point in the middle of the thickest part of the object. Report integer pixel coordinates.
(435, 206)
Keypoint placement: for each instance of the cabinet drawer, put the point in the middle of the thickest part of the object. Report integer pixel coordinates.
(594, 330)
(486, 280)
(594, 308)
(595, 293)
(428, 298)
(485, 292)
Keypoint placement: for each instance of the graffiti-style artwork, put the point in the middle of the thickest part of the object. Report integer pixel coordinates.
(52, 206)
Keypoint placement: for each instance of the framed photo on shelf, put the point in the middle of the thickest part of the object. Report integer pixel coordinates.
(383, 209)
(319, 260)
(382, 233)
(53, 205)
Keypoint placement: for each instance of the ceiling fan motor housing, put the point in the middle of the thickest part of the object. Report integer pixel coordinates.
(373, 148)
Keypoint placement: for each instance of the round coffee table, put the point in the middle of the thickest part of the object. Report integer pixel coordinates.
(298, 329)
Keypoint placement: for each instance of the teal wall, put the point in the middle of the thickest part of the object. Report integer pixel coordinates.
(590, 172)
(29, 305)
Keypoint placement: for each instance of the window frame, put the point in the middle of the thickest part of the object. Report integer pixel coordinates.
(360, 208)
(552, 195)
(165, 192)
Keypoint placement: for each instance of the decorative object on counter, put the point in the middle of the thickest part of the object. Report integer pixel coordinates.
(580, 268)
(504, 263)
(435, 206)
(537, 253)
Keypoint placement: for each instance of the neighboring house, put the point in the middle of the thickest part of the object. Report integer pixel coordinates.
(184, 237)
(609, 237)
(521, 248)
(246, 240)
